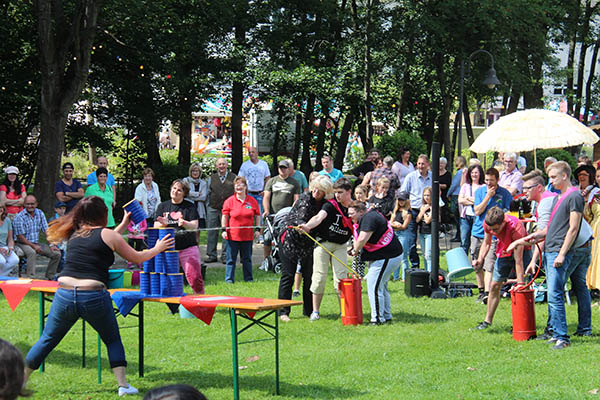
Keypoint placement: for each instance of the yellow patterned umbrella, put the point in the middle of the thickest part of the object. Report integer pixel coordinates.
(533, 129)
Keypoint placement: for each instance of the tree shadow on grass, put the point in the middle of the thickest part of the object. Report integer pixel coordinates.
(412, 318)
(73, 359)
(256, 382)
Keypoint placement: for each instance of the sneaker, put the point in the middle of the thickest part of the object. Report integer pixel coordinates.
(585, 334)
(442, 235)
(315, 316)
(479, 298)
(544, 336)
(284, 318)
(264, 266)
(552, 340)
(210, 260)
(455, 240)
(482, 325)
(296, 293)
(561, 344)
(127, 390)
(484, 299)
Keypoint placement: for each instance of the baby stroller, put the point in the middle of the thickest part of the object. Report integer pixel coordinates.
(275, 225)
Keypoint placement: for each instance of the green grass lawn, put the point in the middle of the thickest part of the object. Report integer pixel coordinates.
(427, 353)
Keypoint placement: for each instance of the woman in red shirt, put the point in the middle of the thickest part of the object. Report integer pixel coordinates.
(240, 210)
(12, 192)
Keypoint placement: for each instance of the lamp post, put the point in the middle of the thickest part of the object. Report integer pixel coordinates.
(490, 81)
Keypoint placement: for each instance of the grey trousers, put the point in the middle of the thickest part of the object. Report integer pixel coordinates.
(30, 253)
(213, 220)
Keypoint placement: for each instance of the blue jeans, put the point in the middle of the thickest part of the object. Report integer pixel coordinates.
(465, 232)
(96, 308)
(377, 288)
(245, 249)
(556, 278)
(259, 199)
(577, 272)
(425, 241)
(411, 240)
(403, 237)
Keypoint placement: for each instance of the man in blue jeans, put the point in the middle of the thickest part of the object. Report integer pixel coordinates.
(534, 187)
(565, 257)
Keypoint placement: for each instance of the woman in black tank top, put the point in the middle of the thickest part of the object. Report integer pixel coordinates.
(83, 281)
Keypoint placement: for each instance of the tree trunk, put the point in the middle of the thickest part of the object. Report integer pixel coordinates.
(321, 131)
(590, 80)
(297, 138)
(185, 131)
(238, 88)
(343, 143)
(513, 103)
(570, 69)
(64, 48)
(236, 126)
(305, 165)
(276, 137)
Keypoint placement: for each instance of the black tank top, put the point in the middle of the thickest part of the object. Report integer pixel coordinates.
(88, 257)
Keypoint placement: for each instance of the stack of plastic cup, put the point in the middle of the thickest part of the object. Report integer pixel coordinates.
(154, 283)
(164, 285)
(149, 265)
(145, 283)
(152, 236)
(171, 261)
(159, 263)
(162, 232)
(176, 283)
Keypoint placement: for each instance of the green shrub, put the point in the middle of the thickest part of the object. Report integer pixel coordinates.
(390, 145)
(559, 154)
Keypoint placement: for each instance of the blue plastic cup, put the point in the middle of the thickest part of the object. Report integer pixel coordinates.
(152, 237)
(159, 263)
(171, 261)
(145, 283)
(164, 285)
(149, 265)
(154, 283)
(176, 283)
(162, 232)
(137, 211)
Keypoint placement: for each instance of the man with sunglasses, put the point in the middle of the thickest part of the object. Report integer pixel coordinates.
(511, 178)
(507, 229)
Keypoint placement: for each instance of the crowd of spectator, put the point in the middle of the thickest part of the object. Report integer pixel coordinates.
(475, 203)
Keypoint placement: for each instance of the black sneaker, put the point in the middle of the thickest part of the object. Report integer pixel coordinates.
(482, 325)
(485, 298)
(479, 298)
(586, 334)
(544, 336)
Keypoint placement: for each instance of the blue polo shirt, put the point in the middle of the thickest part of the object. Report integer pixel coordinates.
(415, 184)
(334, 175)
(502, 199)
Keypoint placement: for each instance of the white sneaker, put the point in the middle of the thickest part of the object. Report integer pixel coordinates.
(315, 316)
(127, 390)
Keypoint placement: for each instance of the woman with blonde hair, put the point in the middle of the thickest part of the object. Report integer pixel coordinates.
(198, 192)
(83, 282)
(296, 246)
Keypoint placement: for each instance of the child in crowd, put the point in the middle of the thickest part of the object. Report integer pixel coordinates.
(60, 208)
(401, 217)
(360, 193)
(424, 222)
(136, 238)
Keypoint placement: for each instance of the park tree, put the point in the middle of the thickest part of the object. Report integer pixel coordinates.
(66, 32)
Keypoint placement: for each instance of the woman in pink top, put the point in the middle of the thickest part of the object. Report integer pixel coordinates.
(466, 198)
(12, 192)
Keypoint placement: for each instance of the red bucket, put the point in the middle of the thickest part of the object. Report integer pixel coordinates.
(523, 314)
(351, 301)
